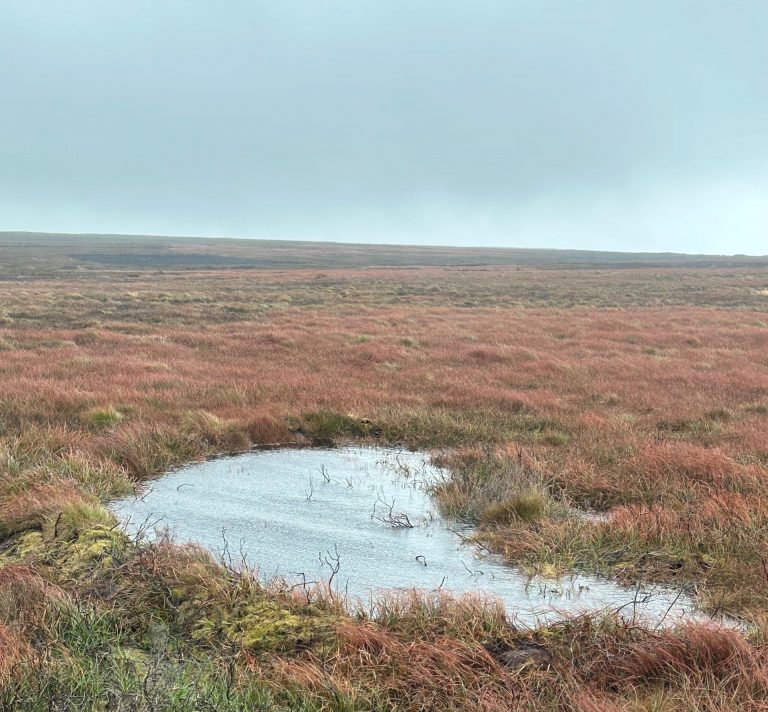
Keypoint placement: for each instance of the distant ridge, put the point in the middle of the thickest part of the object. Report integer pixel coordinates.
(34, 252)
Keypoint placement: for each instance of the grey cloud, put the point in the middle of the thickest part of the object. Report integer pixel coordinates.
(525, 123)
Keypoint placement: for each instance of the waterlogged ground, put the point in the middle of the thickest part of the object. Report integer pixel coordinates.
(365, 513)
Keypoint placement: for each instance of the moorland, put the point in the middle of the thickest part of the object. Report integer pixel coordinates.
(598, 412)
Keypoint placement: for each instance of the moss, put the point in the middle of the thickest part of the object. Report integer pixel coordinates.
(79, 557)
(28, 546)
(265, 625)
(94, 549)
(257, 623)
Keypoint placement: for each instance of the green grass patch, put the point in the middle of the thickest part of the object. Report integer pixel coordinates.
(102, 418)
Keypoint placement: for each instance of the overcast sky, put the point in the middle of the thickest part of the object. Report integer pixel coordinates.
(599, 124)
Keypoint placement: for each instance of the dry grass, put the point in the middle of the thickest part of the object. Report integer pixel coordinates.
(547, 392)
(27, 600)
(39, 507)
(14, 650)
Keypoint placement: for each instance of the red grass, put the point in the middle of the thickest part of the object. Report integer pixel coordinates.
(13, 650)
(419, 675)
(700, 652)
(27, 600)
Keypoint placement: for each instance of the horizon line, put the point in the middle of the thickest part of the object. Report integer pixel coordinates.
(45, 233)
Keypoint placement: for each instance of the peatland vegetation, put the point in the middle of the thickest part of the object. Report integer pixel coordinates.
(596, 413)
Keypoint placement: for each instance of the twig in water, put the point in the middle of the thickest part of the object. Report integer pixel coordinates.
(333, 562)
(671, 606)
(461, 536)
(396, 521)
(147, 492)
(309, 492)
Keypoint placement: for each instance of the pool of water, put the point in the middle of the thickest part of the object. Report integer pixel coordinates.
(365, 513)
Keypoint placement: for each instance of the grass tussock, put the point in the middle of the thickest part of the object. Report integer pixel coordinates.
(102, 418)
(14, 651)
(28, 602)
(326, 427)
(146, 450)
(214, 432)
(527, 506)
(41, 506)
(26, 462)
(268, 430)
(493, 487)
(413, 613)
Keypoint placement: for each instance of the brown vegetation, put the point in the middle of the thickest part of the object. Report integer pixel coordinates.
(554, 396)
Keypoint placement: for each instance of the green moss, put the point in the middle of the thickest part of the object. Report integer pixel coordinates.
(94, 549)
(28, 546)
(267, 626)
(260, 624)
(80, 556)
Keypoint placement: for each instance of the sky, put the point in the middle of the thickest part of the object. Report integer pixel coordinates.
(634, 125)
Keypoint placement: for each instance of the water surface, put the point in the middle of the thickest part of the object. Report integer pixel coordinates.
(298, 514)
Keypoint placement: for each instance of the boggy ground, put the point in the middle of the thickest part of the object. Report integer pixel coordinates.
(638, 394)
